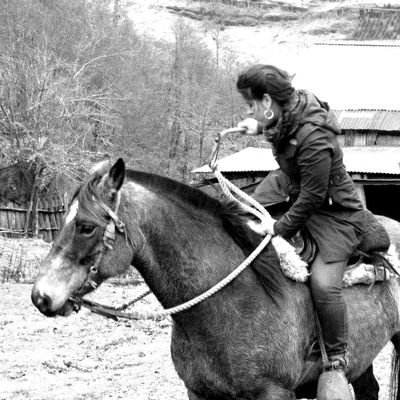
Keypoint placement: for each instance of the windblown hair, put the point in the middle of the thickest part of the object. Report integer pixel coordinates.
(260, 79)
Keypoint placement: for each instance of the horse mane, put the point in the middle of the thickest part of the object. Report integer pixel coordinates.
(234, 220)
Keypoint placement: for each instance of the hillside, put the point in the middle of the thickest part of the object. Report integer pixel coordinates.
(270, 29)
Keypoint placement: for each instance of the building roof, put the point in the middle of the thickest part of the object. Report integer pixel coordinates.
(373, 160)
(353, 76)
(368, 120)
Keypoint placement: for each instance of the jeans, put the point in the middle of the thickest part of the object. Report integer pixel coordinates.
(326, 289)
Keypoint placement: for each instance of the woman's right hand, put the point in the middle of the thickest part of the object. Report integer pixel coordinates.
(251, 125)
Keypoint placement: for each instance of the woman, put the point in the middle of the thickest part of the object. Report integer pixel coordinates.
(323, 198)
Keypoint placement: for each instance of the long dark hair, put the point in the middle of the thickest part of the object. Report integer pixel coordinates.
(260, 79)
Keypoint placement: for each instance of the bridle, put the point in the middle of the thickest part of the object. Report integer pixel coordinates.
(109, 236)
(285, 251)
(117, 312)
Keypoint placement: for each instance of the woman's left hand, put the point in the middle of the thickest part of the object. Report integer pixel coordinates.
(263, 228)
(251, 125)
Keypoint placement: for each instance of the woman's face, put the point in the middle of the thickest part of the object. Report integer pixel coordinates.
(258, 109)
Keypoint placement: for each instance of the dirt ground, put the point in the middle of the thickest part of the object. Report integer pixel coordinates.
(84, 356)
(88, 357)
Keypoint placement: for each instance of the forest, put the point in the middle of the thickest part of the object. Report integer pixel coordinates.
(77, 82)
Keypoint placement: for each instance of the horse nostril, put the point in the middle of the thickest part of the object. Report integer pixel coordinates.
(42, 301)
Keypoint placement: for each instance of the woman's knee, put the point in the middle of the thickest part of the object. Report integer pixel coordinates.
(326, 279)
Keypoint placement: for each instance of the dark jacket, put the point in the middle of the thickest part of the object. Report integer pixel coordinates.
(323, 197)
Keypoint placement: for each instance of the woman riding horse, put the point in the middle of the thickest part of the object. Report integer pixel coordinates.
(303, 134)
(251, 340)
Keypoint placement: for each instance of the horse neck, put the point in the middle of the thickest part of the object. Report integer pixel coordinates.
(184, 252)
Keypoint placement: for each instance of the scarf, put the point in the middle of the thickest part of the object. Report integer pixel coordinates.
(303, 107)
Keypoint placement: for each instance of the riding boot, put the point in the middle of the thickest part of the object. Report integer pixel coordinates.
(333, 384)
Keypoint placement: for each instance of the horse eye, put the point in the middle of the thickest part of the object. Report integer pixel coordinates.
(86, 230)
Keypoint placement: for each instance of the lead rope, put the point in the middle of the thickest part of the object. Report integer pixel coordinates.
(291, 263)
(258, 210)
(115, 313)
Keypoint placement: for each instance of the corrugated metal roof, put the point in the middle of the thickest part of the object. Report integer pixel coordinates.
(369, 120)
(374, 160)
(248, 159)
(351, 77)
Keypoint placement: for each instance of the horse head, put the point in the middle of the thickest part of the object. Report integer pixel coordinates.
(78, 260)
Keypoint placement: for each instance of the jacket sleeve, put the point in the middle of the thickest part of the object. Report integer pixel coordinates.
(314, 160)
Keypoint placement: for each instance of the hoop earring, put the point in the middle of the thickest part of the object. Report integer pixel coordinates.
(269, 114)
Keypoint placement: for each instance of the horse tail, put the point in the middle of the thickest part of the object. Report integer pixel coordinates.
(395, 369)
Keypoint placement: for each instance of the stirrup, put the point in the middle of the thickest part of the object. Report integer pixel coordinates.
(336, 365)
(333, 384)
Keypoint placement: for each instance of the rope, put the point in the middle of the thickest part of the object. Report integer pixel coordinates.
(227, 187)
(134, 300)
(258, 210)
(117, 313)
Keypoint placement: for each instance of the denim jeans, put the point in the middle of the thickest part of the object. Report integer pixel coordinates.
(326, 289)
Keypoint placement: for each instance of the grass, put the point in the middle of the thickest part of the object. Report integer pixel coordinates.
(20, 260)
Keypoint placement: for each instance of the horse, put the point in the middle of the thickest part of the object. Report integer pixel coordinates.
(251, 340)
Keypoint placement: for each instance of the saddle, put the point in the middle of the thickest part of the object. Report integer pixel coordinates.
(370, 260)
(374, 239)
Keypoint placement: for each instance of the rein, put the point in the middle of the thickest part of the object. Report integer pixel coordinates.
(109, 238)
(109, 235)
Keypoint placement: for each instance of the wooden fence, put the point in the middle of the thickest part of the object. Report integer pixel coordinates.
(44, 221)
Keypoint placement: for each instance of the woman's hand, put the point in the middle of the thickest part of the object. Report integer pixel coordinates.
(263, 228)
(251, 125)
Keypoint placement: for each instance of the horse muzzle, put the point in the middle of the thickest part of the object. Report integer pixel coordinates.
(51, 302)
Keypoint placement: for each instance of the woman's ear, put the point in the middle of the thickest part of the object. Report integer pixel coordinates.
(267, 101)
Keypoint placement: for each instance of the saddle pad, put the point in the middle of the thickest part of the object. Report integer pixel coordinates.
(296, 269)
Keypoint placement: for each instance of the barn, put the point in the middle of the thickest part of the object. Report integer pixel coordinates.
(361, 83)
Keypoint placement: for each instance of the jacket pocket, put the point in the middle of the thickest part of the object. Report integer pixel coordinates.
(342, 191)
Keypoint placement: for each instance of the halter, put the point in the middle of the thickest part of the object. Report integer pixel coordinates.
(108, 243)
(90, 283)
(286, 253)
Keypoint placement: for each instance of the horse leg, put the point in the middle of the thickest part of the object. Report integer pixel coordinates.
(366, 387)
(394, 393)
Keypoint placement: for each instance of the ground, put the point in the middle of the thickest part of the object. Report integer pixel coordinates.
(84, 356)
(88, 357)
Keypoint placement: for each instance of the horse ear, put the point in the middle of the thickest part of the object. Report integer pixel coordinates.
(116, 174)
(102, 167)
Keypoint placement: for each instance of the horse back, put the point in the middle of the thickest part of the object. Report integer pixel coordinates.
(393, 229)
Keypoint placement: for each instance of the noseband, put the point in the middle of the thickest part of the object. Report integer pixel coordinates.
(108, 243)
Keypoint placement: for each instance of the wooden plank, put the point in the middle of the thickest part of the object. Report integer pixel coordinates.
(3, 222)
(15, 208)
(47, 237)
(11, 216)
(53, 220)
(35, 221)
(58, 211)
(20, 218)
(41, 221)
